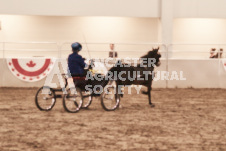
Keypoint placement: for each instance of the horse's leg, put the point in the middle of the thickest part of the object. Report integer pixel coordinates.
(149, 90)
(146, 84)
(149, 95)
(119, 90)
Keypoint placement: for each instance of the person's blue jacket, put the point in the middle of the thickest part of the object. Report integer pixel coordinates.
(76, 64)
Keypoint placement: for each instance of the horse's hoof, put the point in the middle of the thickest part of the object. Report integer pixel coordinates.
(152, 105)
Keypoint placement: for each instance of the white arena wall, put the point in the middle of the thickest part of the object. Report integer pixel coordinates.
(129, 8)
(189, 29)
(199, 8)
(199, 30)
(198, 73)
(16, 28)
(134, 8)
(205, 73)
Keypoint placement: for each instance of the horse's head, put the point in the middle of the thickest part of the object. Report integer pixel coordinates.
(155, 55)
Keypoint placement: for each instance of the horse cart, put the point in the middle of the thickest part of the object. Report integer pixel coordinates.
(110, 96)
(78, 97)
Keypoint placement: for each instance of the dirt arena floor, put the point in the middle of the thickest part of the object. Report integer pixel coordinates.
(183, 119)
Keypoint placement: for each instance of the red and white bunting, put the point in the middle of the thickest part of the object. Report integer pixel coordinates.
(30, 69)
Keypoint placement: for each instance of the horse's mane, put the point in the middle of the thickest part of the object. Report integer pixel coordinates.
(151, 53)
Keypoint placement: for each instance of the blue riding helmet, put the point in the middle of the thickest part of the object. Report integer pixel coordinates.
(76, 46)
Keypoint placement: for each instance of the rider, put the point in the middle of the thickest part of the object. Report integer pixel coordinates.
(76, 63)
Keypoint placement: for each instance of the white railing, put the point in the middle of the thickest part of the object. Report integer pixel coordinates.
(2, 50)
(35, 49)
(193, 51)
(101, 50)
(93, 50)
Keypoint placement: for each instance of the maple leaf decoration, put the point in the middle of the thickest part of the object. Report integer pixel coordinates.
(31, 64)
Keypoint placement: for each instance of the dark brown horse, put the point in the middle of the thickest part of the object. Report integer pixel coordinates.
(125, 74)
(137, 75)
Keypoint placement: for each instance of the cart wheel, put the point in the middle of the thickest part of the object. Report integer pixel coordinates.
(73, 100)
(45, 98)
(110, 98)
(87, 99)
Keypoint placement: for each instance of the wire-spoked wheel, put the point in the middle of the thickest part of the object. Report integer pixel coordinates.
(73, 100)
(87, 99)
(110, 98)
(45, 98)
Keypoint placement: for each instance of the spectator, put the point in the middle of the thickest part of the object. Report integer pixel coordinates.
(112, 52)
(219, 54)
(212, 51)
